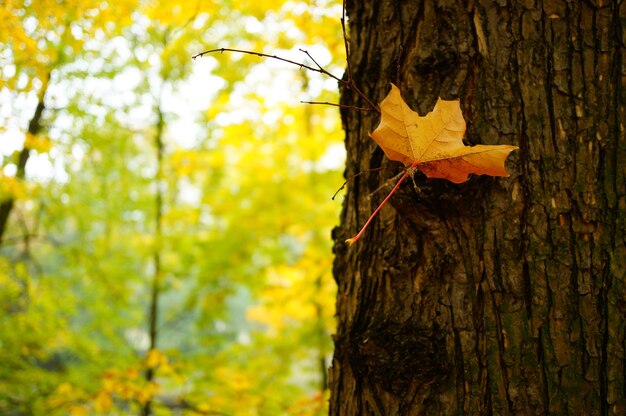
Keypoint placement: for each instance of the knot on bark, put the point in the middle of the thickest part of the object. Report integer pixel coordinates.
(400, 355)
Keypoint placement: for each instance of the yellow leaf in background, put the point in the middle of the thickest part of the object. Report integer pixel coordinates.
(308, 405)
(109, 380)
(64, 389)
(263, 315)
(289, 298)
(220, 103)
(155, 358)
(11, 188)
(233, 378)
(102, 402)
(67, 396)
(78, 411)
(147, 392)
(132, 373)
(204, 407)
(41, 144)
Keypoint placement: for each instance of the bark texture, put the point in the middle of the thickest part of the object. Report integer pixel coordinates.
(499, 295)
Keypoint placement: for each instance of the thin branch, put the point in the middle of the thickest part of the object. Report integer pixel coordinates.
(350, 83)
(345, 40)
(34, 127)
(264, 55)
(319, 70)
(351, 107)
(358, 92)
(351, 178)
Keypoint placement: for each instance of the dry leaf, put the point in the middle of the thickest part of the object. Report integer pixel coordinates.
(432, 143)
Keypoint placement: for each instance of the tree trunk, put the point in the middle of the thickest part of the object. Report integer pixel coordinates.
(34, 126)
(499, 295)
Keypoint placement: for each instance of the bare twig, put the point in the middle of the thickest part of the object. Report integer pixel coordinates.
(319, 69)
(304, 51)
(345, 40)
(351, 177)
(350, 83)
(358, 92)
(351, 107)
(264, 55)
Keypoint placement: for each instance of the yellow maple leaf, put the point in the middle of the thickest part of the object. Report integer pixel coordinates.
(41, 144)
(432, 144)
(155, 358)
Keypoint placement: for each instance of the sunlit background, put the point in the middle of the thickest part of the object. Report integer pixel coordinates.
(167, 249)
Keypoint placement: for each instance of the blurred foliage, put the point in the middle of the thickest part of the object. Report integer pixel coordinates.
(246, 296)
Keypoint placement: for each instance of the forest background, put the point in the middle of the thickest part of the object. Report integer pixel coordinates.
(165, 223)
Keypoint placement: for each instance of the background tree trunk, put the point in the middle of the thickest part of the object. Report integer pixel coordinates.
(34, 127)
(499, 295)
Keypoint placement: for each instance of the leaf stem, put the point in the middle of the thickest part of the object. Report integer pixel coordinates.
(393, 191)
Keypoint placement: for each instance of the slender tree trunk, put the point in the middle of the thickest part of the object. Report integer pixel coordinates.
(499, 295)
(34, 126)
(155, 289)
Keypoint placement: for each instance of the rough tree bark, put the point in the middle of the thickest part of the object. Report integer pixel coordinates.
(499, 295)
